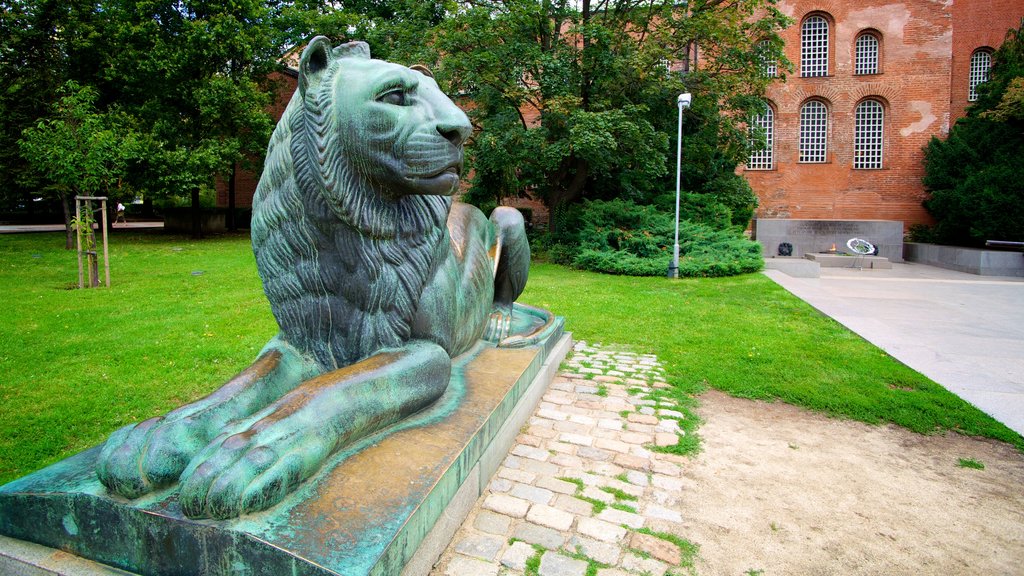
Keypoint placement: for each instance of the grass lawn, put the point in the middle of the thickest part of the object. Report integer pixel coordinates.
(183, 316)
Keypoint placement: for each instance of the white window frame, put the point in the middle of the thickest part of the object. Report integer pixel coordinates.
(814, 33)
(813, 132)
(981, 63)
(868, 135)
(764, 158)
(866, 54)
(769, 68)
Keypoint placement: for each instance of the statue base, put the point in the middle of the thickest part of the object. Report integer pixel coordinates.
(388, 505)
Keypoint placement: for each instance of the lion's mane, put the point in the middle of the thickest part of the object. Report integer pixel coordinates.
(342, 264)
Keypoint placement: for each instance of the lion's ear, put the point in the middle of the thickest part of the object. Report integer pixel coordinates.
(354, 49)
(315, 59)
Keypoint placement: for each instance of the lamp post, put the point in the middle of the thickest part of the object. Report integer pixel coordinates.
(684, 102)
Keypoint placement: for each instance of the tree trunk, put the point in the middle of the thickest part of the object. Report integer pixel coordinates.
(69, 241)
(197, 224)
(231, 199)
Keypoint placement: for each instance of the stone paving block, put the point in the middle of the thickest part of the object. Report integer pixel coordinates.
(511, 461)
(517, 555)
(647, 566)
(561, 447)
(632, 462)
(610, 424)
(605, 469)
(660, 466)
(528, 440)
(554, 564)
(539, 535)
(605, 378)
(464, 565)
(577, 439)
(665, 439)
(636, 478)
(593, 453)
(582, 419)
(666, 482)
(606, 434)
(667, 425)
(566, 461)
(641, 452)
(556, 485)
(523, 476)
(631, 437)
(603, 552)
(613, 445)
(507, 505)
(666, 412)
(500, 485)
(492, 523)
(531, 453)
(540, 468)
(558, 397)
(532, 493)
(590, 404)
(480, 546)
(661, 549)
(600, 529)
(616, 516)
(662, 513)
(586, 389)
(612, 572)
(647, 411)
(542, 432)
(596, 493)
(571, 427)
(550, 517)
(549, 414)
(573, 505)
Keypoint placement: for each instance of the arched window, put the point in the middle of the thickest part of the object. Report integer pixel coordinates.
(866, 53)
(814, 47)
(813, 132)
(869, 121)
(981, 61)
(768, 66)
(762, 140)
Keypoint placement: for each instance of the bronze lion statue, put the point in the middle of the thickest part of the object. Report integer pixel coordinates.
(375, 277)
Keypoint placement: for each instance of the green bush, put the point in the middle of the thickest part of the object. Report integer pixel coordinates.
(622, 237)
(734, 192)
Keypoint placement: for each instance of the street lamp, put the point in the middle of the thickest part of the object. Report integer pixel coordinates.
(684, 102)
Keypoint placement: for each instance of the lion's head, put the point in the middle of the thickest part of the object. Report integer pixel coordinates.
(350, 213)
(379, 141)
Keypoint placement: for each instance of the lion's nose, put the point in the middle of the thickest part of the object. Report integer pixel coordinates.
(455, 132)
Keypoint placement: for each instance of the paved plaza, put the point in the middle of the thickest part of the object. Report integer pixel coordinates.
(964, 331)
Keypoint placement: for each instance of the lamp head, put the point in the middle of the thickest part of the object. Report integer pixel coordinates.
(684, 100)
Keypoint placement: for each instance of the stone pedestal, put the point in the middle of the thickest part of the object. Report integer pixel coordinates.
(819, 236)
(386, 506)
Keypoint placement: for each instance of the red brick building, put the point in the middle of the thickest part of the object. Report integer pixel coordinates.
(874, 81)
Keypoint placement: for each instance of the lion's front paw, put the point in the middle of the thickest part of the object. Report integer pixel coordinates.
(250, 470)
(140, 458)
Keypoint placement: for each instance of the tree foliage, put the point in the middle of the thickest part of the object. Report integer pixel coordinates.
(580, 102)
(973, 176)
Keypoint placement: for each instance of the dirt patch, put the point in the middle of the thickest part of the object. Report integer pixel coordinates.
(784, 491)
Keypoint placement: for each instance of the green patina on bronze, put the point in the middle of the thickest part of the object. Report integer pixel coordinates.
(376, 279)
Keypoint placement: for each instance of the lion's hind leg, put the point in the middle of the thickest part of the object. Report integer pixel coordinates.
(511, 269)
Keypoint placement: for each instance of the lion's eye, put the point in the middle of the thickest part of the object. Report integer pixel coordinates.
(395, 97)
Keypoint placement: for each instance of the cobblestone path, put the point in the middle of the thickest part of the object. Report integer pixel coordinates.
(581, 491)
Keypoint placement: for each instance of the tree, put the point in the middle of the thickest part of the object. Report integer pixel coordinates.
(43, 44)
(976, 193)
(575, 103)
(195, 73)
(79, 150)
